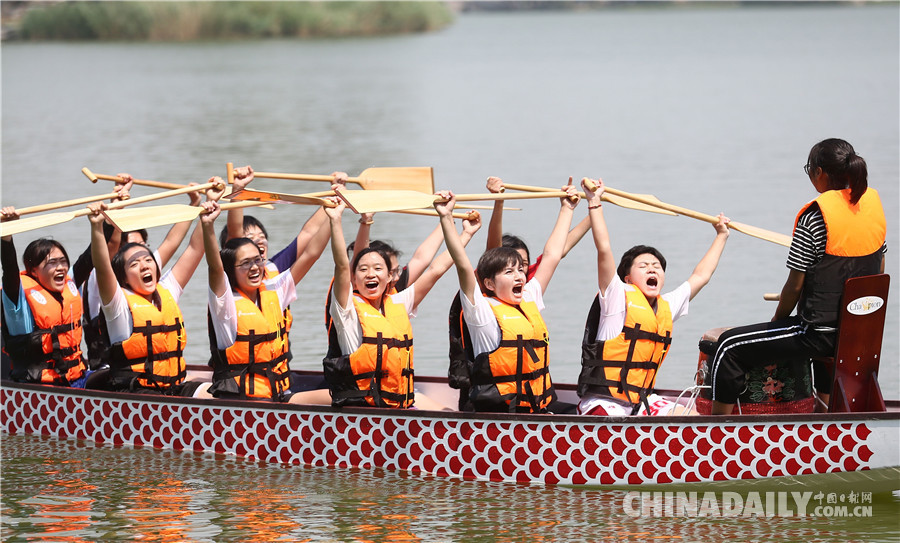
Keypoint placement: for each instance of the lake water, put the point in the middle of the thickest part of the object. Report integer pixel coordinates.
(706, 107)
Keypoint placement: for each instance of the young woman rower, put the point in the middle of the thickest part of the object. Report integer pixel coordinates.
(374, 333)
(41, 313)
(510, 341)
(144, 323)
(248, 335)
(837, 236)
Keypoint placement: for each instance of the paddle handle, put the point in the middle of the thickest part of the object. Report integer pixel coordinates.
(67, 203)
(306, 177)
(143, 182)
(772, 297)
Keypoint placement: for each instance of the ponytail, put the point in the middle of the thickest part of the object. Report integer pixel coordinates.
(844, 167)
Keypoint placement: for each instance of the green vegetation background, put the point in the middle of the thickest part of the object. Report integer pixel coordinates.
(186, 21)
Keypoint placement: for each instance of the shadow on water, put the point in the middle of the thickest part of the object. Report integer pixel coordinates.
(66, 490)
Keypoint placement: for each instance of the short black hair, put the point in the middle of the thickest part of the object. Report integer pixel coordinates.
(249, 220)
(636, 251)
(515, 242)
(493, 261)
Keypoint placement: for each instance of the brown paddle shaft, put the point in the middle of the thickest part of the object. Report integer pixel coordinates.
(143, 182)
(361, 201)
(24, 225)
(754, 231)
(67, 203)
(615, 200)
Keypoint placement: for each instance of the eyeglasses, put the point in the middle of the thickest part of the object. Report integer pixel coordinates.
(247, 264)
(808, 167)
(57, 262)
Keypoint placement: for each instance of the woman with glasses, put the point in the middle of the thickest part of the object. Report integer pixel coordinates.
(41, 313)
(144, 324)
(248, 330)
(837, 236)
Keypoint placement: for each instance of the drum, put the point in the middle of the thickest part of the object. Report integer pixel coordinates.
(776, 387)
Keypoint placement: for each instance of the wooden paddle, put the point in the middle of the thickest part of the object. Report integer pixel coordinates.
(144, 182)
(10, 228)
(419, 179)
(67, 203)
(616, 200)
(128, 220)
(772, 296)
(754, 231)
(433, 213)
(375, 201)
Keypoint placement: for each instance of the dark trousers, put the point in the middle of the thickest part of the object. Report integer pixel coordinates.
(745, 347)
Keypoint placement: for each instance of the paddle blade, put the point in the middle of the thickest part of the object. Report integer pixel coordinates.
(375, 201)
(136, 218)
(419, 179)
(634, 204)
(11, 228)
(276, 197)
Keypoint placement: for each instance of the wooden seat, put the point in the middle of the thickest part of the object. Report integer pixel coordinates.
(858, 349)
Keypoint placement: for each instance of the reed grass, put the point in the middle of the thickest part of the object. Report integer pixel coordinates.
(189, 21)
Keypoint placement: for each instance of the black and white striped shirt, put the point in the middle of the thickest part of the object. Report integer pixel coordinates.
(810, 237)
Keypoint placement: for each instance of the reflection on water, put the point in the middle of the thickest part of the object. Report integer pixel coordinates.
(107, 492)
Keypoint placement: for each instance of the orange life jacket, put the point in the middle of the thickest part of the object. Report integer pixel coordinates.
(625, 366)
(380, 372)
(153, 357)
(516, 375)
(51, 352)
(255, 366)
(855, 235)
(288, 318)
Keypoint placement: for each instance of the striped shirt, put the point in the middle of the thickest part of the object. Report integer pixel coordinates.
(810, 237)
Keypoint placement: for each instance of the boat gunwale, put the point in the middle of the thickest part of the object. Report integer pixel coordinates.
(893, 412)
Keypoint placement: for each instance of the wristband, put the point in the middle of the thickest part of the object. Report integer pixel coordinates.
(368, 222)
(595, 207)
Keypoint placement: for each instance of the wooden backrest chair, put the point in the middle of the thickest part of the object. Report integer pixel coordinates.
(858, 350)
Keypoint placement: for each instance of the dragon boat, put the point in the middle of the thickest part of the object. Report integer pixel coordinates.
(857, 442)
(523, 448)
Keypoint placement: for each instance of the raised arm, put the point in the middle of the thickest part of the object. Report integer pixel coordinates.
(106, 279)
(234, 224)
(553, 250)
(455, 247)
(576, 233)
(495, 226)
(606, 262)
(341, 286)
(707, 265)
(314, 248)
(442, 263)
(176, 235)
(424, 254)
(9, 259)
(216, 274)
(187, 263)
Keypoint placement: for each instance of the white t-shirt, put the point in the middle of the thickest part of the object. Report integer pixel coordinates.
(484, 330)
(346, 321)
(91, 292)
(119, 321)
(612, 320)
(224, 311)
(612, 306)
